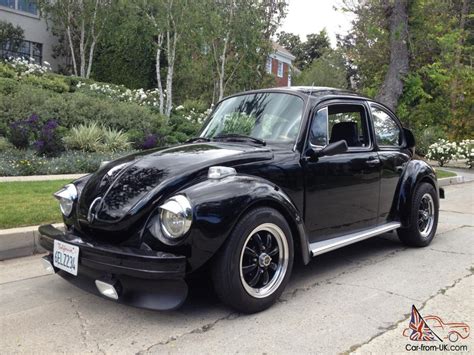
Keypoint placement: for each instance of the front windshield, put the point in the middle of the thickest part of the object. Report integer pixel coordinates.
(273, 117)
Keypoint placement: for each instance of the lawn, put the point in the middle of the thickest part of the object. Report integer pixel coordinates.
(29, 203)
(444, 174)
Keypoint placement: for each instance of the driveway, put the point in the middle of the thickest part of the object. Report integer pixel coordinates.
(352, 299)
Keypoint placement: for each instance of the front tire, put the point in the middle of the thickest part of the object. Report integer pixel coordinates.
(423, 217)
(255, 263)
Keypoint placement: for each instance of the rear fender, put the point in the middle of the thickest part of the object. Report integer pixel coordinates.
(415, 172)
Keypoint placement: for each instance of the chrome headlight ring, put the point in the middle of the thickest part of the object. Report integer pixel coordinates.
(66, 197)
(175, 219)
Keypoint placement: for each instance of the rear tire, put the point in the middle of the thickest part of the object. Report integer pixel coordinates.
(423, 217)
(255, 263)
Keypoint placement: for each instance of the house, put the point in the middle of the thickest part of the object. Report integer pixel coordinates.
(280, 64)
(38, 41)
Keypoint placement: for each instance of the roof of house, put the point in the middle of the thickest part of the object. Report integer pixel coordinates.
(282, 51)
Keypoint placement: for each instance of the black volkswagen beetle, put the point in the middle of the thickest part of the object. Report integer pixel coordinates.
(274, 175)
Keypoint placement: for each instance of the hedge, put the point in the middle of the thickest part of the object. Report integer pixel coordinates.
(19, 99)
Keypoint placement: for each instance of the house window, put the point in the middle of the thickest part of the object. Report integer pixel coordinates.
(22, 49)
(29, 6)
(269, 65)
(280, 70)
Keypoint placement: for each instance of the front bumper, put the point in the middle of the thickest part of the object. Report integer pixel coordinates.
(146, 278)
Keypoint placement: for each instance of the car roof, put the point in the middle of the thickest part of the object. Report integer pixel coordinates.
(319, 92)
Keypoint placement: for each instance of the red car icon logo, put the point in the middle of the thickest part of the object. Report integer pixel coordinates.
(451, 331)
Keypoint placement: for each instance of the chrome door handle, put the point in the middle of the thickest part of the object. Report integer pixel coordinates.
(373, 162)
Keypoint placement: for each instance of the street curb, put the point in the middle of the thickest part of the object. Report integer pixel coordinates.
(41, 177)
(23, 241)
(452, 180)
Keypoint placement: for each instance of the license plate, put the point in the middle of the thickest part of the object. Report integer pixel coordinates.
(66, 257)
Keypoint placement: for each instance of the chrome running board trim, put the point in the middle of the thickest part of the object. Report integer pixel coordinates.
(325, 246)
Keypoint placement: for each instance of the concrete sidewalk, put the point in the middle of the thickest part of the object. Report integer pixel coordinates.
(41, 177)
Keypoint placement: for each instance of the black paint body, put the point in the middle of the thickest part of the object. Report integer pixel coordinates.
(321, 199)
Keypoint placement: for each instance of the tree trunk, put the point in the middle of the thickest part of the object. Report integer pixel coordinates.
(221, 72)
(159, 43)
(392, 87)
(457, 56)
(71, 48)
(169, 77)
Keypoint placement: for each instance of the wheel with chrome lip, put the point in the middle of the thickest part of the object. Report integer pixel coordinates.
(254, 265)
(423, 217)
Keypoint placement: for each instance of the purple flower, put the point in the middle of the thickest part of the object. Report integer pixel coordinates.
(151, 141)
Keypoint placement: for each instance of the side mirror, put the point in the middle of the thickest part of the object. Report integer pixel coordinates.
(331, 149)
(409, 139)
(335, 148)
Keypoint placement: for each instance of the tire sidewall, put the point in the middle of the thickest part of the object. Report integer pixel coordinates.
(419, 193)
(237, 240)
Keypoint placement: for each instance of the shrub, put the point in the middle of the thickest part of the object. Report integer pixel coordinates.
(22, 131)
(23, 66)
(115, 141)
(52, 83)
(17, 163)
(7, 71)
(5, 144)
(49, 141)
(442, 151)
(95, 138)
(8, 86)
(426, 137)
(85, 137)
(465, 150)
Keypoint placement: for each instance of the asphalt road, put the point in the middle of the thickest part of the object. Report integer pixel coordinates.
(354, 299)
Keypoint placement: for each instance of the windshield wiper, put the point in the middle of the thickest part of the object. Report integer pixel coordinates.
(198, 139)
(235, 136)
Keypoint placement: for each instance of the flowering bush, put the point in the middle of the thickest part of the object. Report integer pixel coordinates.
(193, 111)
(121, 93)
(49, 141)
(18, 163)
(46, 138)
(465, 150)
(23, 66)
(442, 151)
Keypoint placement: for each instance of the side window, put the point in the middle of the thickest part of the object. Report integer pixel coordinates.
(338, 122)
(348, 122)
(387, 131)
(319, 128)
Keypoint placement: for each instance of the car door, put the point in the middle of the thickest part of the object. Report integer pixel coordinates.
(341, 191)
(393, 154)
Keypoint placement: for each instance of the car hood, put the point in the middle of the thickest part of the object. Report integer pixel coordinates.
(127, 185)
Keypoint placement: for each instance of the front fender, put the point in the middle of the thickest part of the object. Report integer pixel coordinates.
(415, 172)
(219, 204)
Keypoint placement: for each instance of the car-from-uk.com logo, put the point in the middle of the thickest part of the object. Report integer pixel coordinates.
(439, 335)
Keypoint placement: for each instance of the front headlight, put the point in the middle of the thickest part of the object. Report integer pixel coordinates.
(176, 216)
(66, 196)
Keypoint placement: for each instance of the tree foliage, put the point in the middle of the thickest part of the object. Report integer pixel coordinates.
(437, 97)
(305, 52)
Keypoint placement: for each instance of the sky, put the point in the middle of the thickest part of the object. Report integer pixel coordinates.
(310, 16)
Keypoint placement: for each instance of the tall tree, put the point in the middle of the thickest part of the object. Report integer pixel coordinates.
(305, 52)
(392, 86)
(81, 22)
(167, 18)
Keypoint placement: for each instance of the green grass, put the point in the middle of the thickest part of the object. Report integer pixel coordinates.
(28, 203)
(444, 174)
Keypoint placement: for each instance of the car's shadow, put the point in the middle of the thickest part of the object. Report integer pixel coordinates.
(324, 267)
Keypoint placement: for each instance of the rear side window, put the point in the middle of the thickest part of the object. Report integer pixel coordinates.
(387, 131)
